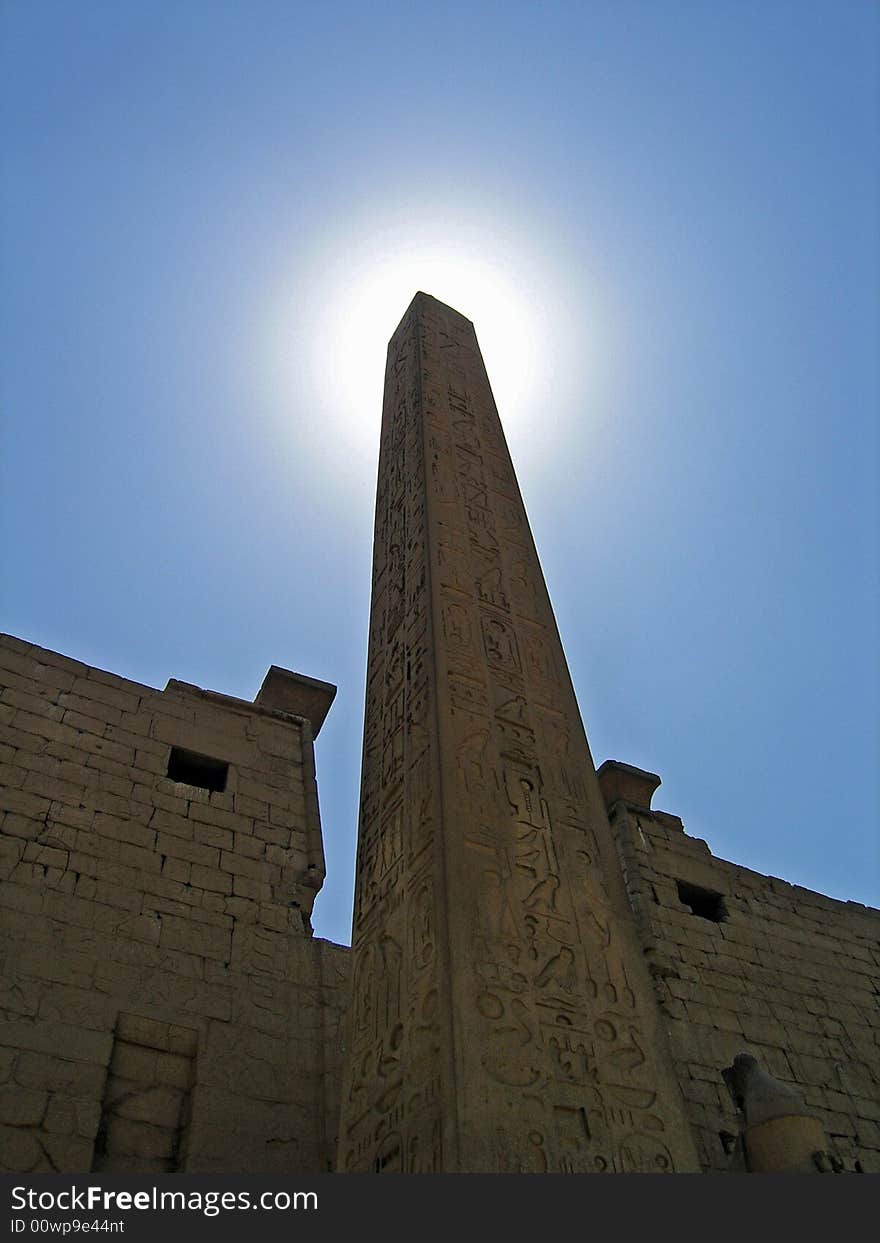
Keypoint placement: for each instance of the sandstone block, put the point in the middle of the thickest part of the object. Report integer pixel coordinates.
(79, 1045)
(20, 898)
(120, 829)
(201, 939)
(206, 814)
(192, 852)
(212, 879)
(176, 869)
(11, 776)
(22, 1106)
(22, 826)
(25, 803)
(210, 835)
(124, 697)
(139, 1140)
(242, 909)
(171, 823)
(253, 869)
(158, 1105)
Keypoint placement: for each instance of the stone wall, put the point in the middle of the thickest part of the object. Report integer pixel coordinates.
(165, 1004)
(745, 962)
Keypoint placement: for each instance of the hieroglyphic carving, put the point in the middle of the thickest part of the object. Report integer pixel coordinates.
(524, 589)
(490, 589)
(502, 649)
(395, 1009)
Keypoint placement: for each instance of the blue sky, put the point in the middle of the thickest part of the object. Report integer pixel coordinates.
(662, 218)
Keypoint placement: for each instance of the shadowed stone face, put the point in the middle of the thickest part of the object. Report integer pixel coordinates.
(160, 852)
(502, 1015)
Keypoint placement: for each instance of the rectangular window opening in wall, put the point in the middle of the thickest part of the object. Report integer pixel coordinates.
(702, 902)
(197, 770)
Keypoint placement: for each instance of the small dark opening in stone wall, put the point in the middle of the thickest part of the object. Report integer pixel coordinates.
(702, 902)
(197, 770)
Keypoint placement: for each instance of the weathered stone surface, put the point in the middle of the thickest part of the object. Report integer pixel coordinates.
(502, 1016)
(124, 959)
(773, 975)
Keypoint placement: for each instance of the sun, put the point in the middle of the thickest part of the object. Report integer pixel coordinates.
(356, 287)
(358, 332)
(358, 321)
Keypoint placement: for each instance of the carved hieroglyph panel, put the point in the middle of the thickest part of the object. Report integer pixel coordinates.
(391, 1114)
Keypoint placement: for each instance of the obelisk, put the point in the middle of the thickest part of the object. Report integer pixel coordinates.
(502, 1016)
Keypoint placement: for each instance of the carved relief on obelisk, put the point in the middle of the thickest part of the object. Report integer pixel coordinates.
(503, 1019)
